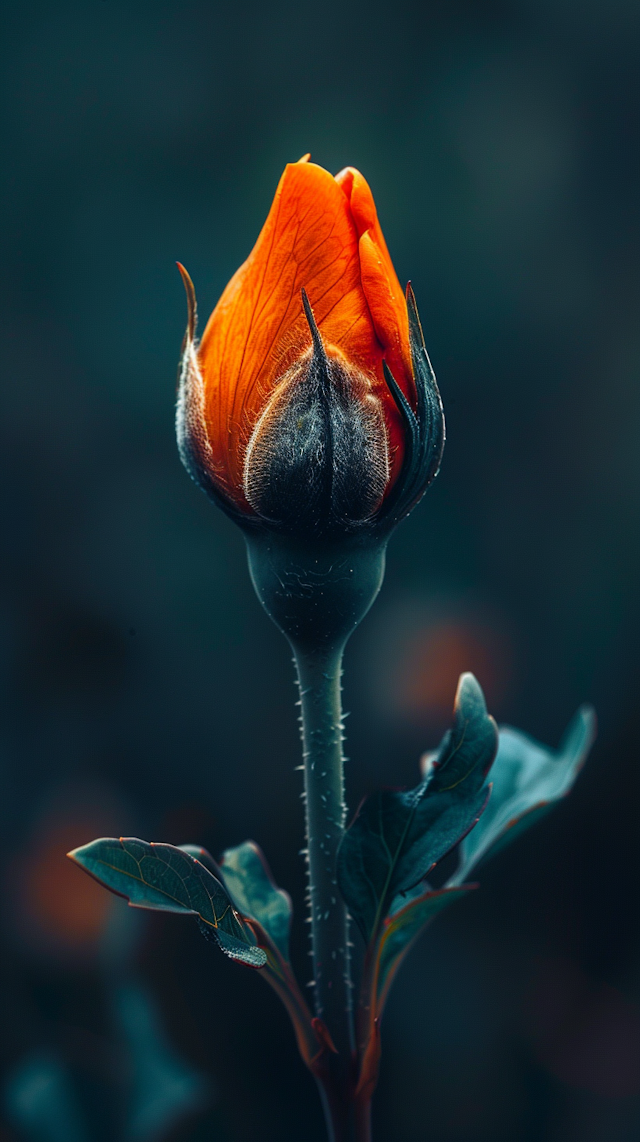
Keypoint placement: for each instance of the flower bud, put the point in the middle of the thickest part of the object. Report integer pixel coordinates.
(310, 407)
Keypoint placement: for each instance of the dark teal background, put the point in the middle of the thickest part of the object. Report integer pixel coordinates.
(143, 690)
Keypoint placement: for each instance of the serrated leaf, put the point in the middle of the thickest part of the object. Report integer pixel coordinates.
(168, 879)
(248, 878)
(527, 778)
(397, 837)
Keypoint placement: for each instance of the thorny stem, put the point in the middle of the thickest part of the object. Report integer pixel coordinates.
(317, 592)
(321, 714)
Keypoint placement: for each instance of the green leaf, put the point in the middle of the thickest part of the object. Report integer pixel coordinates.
(246, 877)
(168, 879)
(249, 881)
(205, 858)
(527, 778)
(397, 837)
(403, 927)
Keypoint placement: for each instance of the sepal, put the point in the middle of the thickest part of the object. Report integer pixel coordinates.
(194, 446)
(424, 429)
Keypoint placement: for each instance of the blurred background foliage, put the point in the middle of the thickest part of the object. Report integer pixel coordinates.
(142, 689)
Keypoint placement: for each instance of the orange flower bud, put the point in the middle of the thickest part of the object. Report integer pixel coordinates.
(305, 405)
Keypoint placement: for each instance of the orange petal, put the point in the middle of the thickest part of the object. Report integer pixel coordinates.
(258, 327)
(382, 289)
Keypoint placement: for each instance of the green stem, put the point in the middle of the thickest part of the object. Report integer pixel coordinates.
(320, 701)
(319, 677)
(317, 591)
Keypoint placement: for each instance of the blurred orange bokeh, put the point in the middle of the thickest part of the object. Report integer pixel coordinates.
(434, 658)
(65, 904)
(53, 908)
